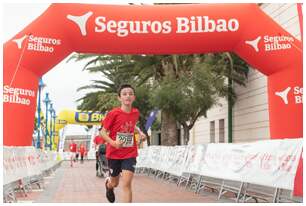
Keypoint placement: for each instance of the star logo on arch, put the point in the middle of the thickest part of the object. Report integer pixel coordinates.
(81, 21)
(254, 43)
(20, 41)
(284, 94)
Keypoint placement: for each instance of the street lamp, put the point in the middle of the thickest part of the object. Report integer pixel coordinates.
(54, 117)
(47, 101)
(41, 85)
(51, 128)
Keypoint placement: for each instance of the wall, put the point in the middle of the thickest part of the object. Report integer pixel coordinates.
(250, 112)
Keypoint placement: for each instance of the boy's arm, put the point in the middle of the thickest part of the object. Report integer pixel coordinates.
(142, 135)
(105, 135)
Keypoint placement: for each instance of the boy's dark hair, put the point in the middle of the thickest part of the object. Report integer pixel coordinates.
(123, 86)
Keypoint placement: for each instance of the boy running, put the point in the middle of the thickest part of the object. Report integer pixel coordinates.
(118, 130)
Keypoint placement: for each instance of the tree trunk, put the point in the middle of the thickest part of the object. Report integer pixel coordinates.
(168, 129)
(186, 134)
(148, 138)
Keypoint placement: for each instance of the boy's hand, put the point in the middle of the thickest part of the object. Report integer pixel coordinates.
(117, 144)
(142, 136)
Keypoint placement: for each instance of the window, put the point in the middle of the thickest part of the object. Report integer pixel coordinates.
(221, 130)
(212, 131)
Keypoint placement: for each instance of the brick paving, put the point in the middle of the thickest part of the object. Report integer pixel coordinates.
(79, 184)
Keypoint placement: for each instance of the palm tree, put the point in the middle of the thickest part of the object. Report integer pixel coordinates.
(199, 79)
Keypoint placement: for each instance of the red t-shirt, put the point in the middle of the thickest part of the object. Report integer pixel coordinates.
(73, 147)
(118, 121)
(82, 149)
(99, 140)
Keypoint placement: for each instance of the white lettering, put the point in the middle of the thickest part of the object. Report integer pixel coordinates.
(274, 43)
(42, 44)
(40, 47)
(16, 91)
(16, 99)
(298, 90)
(100, 25)
(221, 25)
(6, 89)
(193, 24)
(233, 25)
(182, 25)
(208, 23)
(298, 99)
(156, 27)
(111, 26)
(166, 27)
(123, 28)
(205, 24)
(276, 46)
(44, 40)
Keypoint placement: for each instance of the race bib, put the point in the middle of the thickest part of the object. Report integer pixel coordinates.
(126, 138)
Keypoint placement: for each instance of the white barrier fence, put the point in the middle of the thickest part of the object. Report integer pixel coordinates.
(21, 162)
(270, 163)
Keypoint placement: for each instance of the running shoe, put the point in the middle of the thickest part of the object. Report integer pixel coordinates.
(110, 195)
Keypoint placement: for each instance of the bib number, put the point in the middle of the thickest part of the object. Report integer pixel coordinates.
(126, 138)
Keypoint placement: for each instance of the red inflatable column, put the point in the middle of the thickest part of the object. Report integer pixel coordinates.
(286, 111)
(19, 99)
(285, 90)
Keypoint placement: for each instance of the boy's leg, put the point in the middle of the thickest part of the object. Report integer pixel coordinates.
(127, 177)
(115, 169)
(128, 169)
(112, 181)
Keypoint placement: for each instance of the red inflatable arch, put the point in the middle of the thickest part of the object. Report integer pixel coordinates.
(164, 29)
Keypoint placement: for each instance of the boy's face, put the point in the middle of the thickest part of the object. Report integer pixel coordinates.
(127, 96)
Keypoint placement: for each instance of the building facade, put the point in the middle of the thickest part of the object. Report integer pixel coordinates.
(250, 112)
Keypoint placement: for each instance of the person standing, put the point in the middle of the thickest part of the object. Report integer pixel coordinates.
(118, 131)
(82, 152)
(98, 140)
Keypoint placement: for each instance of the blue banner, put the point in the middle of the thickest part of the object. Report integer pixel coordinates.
(151, 119)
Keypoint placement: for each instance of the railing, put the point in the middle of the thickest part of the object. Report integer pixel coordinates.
(24, 168)
(235, 168)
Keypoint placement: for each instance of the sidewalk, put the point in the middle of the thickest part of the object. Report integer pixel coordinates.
(79, 184)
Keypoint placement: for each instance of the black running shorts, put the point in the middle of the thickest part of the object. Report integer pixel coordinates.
(117, 165)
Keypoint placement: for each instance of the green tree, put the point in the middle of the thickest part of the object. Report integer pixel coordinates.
(184, 87)
(116, 70)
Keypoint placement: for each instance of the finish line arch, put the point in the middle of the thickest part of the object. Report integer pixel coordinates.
(178, 29)
(159, 29)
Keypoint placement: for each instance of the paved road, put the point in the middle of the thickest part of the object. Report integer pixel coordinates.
(79, 184)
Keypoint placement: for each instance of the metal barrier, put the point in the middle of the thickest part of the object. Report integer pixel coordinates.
(231, 186)
(254, 191)
(286, 196)
(9, 195)
(211, 183)
(198, 167)
(25, 185)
